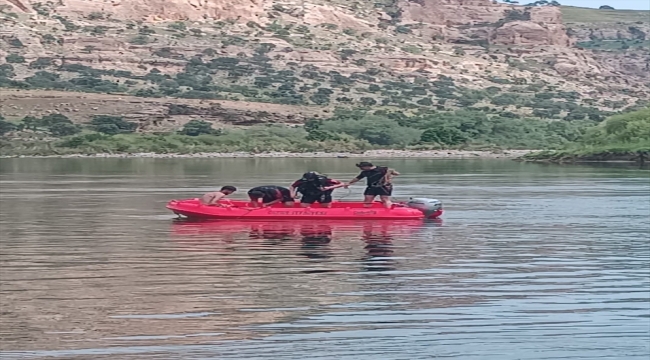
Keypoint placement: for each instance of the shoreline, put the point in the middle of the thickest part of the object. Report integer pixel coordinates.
(425, 154)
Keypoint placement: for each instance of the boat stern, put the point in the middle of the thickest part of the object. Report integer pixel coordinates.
(431, 208)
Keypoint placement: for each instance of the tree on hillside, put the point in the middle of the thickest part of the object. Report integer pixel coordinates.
(443, 135)
(623, 128)
(112, 125)
(64, 129)
(30, 123)
(6, 126)
(15, 59)
(55, 124)
(53, 119)
(606, 7)
(196, 128)
(7, 71)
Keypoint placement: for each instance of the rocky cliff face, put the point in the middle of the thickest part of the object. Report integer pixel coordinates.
(153, 10)
(339, 45)
(501, 24)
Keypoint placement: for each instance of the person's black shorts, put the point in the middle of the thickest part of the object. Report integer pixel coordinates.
(386, 190)
(322, 198)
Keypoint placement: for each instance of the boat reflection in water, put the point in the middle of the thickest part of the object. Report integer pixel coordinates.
(309, 239)
(379, 249)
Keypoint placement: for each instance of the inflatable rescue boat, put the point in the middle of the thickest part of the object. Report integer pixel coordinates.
(415, 208)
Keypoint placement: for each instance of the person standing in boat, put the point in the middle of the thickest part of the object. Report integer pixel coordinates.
(212, 198)
(379, 183)
(263, 196)
(315, 187)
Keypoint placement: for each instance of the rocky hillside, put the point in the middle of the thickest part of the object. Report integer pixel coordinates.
(314, 55)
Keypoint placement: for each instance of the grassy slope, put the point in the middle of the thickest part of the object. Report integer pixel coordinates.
(573, 14)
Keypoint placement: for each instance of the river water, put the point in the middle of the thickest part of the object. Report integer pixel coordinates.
(529, 261)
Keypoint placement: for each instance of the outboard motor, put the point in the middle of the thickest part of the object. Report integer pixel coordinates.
(431, 208)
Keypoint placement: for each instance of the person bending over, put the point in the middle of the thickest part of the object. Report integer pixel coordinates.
(212, 198)
(379, 183)
(315, 187)
(263, 196)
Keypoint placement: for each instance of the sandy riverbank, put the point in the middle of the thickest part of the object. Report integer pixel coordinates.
(372, 154)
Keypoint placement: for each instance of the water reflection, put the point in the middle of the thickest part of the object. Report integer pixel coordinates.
(379, 248)
(222, 235)
(315, 239)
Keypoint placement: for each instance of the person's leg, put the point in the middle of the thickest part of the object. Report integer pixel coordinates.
(325, 199)
(368, 199)
(385, 193)
(369, 196)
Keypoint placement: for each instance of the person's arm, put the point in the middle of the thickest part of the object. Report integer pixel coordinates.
(293, 188)
(390, 173)
(256, 203)
(215, 199)
(356, 179)
(334, 184)
(272, 202)
(278, 198)
(210, 199)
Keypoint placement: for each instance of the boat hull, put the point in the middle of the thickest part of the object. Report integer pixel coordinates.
(340, 210)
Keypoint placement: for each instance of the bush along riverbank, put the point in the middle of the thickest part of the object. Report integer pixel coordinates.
(623, 137)
(347, 131)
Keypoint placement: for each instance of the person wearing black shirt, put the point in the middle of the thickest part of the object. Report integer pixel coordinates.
(315, 187)
(379, 180)
(269, 195)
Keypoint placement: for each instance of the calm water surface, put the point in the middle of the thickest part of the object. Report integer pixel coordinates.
(529, 262)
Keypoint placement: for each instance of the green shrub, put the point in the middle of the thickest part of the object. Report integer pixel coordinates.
(7, 71)
(401, 29)
(374, 129)
(15, 59)
(112, 125)
(139, 40)
(177, 25)
(15, 42)
(64, 129)
(412, 49)
(443, 135)
(41, 63)
(95, 15)
(368, 101)
(196, 128)
(425, 102)
(6, 126)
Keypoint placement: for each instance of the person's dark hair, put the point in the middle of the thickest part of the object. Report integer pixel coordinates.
(364, 164)
(229, 188)
(309, 176)
(256, 194)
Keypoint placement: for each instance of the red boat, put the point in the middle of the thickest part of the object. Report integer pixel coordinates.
(413, 209)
